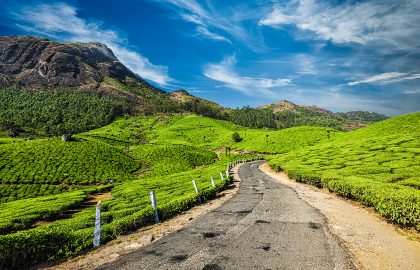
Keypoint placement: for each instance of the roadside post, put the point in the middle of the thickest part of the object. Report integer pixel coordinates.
(154, 205)
(97, 232)
(227, 174)
(221, 176)
(196, 190)
(212, 182)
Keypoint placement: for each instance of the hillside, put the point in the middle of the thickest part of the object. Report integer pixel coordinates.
(198, 105)
(378, 165)
(38, 63)
(140, 145)
(51, 88)
(287, 114)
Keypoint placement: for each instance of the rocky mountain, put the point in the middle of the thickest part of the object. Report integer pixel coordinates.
(52, 87)
(39, 63)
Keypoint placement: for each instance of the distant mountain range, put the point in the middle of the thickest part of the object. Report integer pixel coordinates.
(289, 107)
(54, 87)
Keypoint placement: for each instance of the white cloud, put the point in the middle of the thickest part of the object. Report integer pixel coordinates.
(390, 24)
(306, 64)
(386, 78)
(211, 23)
(207, 34)
(224, 72)
(60, 21)
(411, 92)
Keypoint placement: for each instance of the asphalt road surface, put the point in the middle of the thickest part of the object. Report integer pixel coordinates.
(264, 226)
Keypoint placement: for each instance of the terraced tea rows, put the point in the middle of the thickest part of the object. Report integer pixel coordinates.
(378, 165)
(126, 211)
(168, 159)
(51, 161)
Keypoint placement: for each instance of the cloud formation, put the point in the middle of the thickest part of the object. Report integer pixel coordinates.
(386, 78)
(224, 72)
(212, 23)
(60, 21)
(390, 24)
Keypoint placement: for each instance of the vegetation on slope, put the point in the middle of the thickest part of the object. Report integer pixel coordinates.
(57, 112)
(51, 161)
(168, 159)
(378, 165)
(285, 114)
(125, 212)
(207, 132)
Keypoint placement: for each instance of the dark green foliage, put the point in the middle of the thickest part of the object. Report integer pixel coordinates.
(58, 111)
(299, 116)
(236, 137)
(253, 118)
(303, 117)
(363, 116)
(201, 108)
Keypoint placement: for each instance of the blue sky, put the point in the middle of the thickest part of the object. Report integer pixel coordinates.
(341, 55)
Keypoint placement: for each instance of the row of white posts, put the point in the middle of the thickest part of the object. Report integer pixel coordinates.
(97, 232)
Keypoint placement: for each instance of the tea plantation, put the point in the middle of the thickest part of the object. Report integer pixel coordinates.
(42, 178)
(378, 165)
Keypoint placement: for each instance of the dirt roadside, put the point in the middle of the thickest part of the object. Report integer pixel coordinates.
(374, 243)
(146, 235)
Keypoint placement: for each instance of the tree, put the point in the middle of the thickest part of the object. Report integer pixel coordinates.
(236, 137)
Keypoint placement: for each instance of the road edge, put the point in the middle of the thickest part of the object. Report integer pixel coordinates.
(126, 244)
(372, 242)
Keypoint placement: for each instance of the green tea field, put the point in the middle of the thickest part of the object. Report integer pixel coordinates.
(378, 165)
(41, 179)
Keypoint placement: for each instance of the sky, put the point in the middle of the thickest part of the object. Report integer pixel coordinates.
(340, 55)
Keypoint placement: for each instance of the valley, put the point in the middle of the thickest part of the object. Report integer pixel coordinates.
(77, 126)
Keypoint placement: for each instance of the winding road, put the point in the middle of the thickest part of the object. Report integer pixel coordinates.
(264, 226)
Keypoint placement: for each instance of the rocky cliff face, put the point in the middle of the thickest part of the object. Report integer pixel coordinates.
(32, 62)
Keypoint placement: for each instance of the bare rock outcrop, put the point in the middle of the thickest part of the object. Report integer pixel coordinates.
(33, 62)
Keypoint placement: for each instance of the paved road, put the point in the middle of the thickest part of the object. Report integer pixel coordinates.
(264, 226)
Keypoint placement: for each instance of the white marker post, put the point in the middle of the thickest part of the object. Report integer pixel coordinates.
(221, 176)
(196, 190)
(154, 205)
(212, 182)
(227, 174)
(97, 232)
